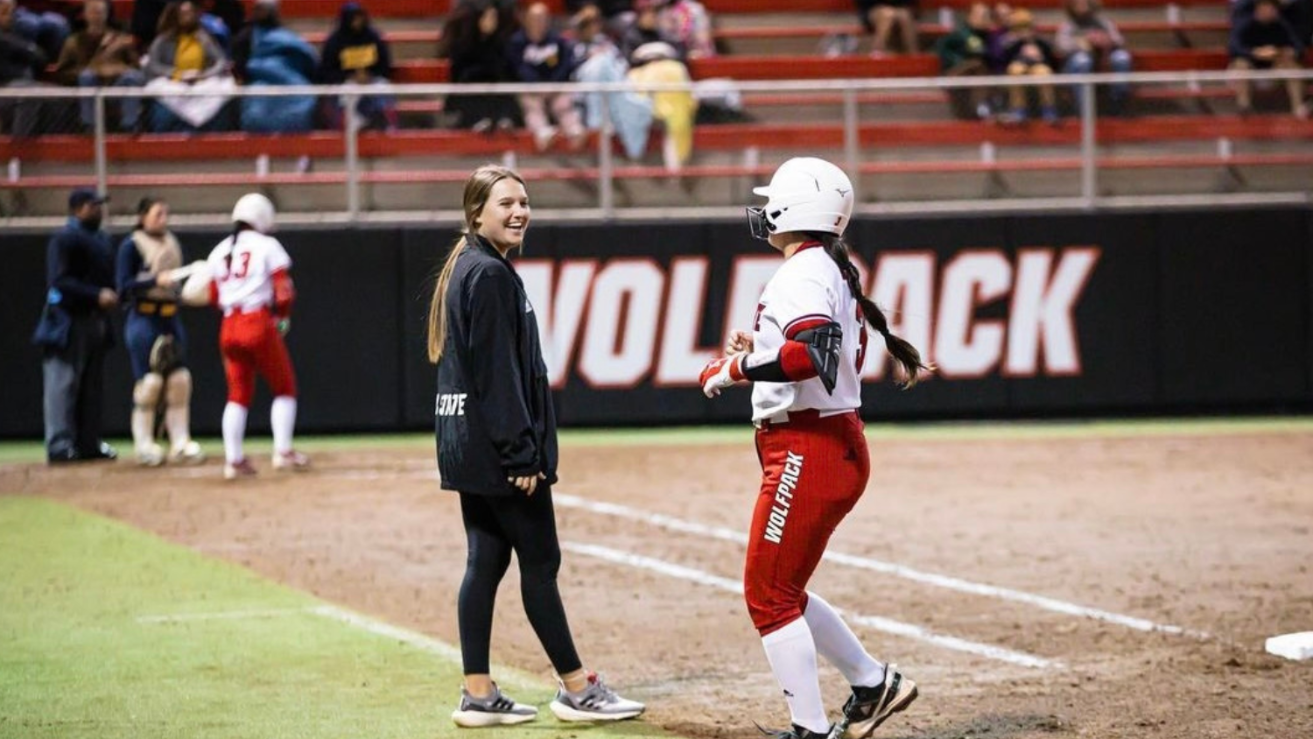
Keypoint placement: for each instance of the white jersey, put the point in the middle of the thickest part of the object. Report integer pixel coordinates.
(245, 283)
(808, 287)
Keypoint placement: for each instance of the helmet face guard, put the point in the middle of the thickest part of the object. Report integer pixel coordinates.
(760, 227)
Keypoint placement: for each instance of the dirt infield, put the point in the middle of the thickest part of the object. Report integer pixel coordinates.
(1212, 534)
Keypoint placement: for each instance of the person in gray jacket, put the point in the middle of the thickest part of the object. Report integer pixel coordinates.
(182, 52)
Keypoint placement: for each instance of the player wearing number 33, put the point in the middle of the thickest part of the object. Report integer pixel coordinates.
(803, 358)
(249, 280)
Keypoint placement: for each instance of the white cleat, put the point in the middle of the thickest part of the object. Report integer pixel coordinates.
(291, 461)
(189, 454)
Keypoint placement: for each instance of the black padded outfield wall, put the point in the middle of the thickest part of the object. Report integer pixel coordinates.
(1023, 315)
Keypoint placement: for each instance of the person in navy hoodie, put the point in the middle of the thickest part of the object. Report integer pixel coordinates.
(539, 54)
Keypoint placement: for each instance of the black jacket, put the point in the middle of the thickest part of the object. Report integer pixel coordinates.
(79, 263)
(493, 413)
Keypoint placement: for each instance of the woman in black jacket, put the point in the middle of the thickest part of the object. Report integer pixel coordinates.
(496, 434)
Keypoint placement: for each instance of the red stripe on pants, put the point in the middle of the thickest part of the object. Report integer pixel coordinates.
(813, 472)
(251, 345)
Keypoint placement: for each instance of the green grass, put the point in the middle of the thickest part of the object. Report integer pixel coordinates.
(13, 452)
(75, 661)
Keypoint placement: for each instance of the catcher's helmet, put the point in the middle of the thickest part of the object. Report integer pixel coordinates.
(256, 211)
(805, 194)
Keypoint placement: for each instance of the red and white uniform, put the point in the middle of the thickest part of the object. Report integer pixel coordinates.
(253, 289)
(814, 458)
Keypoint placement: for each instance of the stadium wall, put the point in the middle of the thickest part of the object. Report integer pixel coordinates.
(1025, 315)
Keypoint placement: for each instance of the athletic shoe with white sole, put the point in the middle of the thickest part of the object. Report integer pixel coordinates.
(594, 703)
(291, 461)
(867, 708)
(497, 709)
(240, 468)
(189, 453)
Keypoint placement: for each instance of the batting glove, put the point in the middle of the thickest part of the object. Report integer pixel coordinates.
(720, 374)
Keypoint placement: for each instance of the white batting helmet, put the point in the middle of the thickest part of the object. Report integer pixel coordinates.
(804, 194)
(256, 211)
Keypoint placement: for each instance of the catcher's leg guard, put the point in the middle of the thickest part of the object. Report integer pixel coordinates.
(145, 399)
(177, 418)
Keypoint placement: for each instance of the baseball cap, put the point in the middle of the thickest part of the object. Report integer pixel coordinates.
(83, 195)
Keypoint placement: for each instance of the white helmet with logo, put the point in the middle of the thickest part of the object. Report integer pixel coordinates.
(256, 211)
(805, 194)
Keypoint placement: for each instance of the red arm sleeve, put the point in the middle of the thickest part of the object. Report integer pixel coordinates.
(284, 293)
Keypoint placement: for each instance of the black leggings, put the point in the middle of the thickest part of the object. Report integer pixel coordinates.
(494, 527)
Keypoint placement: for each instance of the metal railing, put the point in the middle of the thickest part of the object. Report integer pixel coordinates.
(1296, 142)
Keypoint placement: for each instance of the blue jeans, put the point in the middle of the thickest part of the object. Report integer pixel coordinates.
(47, 30)
(1082, 62)
(129, 108)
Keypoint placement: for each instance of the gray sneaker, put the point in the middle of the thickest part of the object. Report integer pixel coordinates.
(497, 709)
(594, 703)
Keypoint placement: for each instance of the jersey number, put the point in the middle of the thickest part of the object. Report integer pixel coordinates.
(243, 265)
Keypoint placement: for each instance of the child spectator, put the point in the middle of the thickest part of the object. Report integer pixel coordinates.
(1265, 40)
(542, 55)
(1029, 55)
(356, 54)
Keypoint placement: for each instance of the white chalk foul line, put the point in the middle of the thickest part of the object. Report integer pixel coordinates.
(221, 615)
(886, 625)
(672, 523)
(419, 641)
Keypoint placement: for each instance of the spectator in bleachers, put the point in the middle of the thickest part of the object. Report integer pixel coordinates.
(1265, 40)
(540, 54)
(687, 22)
(100, 56)
(881, 16)
(220, 18)
(184, 55)
(20, 60)
(1298, 13)
(965, 52)
(600, 60)
(356, 54)
(646, 29)
(267, 53)
(676, 109)
(475, 38)
(1091, 42)
(41, 22)
(617, 15)
(1026, 54)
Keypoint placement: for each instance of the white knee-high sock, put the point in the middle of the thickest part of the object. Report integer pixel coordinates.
(234, 431)
(839, 645)
(282, 417)
(792, 656)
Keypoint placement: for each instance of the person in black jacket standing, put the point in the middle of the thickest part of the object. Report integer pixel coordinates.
(496, 439)
(74, 331)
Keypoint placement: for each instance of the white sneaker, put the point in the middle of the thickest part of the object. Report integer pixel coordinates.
(189, 453)
(291, 461)
(150, 456)
(594, 703)
(497, 709)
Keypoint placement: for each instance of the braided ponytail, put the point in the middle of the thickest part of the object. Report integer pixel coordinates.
(902, 351)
